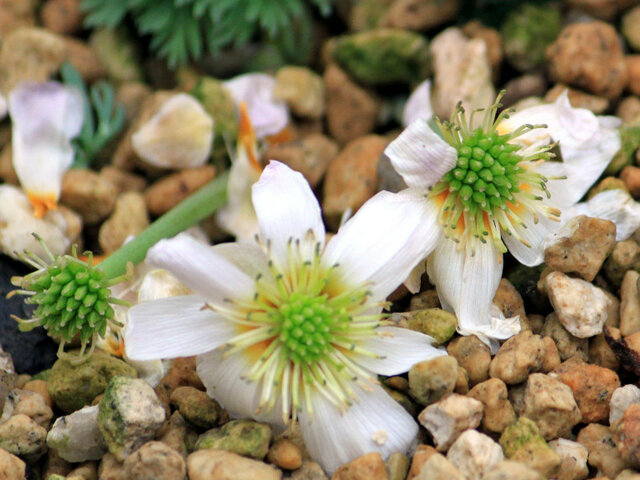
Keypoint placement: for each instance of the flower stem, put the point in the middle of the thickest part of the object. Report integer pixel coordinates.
(187, 213)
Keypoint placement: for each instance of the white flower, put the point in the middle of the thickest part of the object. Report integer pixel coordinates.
(294, 329)
(486, 193)
(418, 104)
(45, 117)
(268, 115)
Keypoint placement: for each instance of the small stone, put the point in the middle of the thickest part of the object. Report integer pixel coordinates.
(510, 470)
(509, 300)
(581, 307)
(40, 387)
(23, 437)
(607, 183)
(525, 86)
(182, 372)
(566, 344)
(498, 411)
(550, 403)
(430, 380)
(419, 15)
(218, 102)
(491, 37)
(581, 246)
(446, 419)
(397, 466)
(472, 355)
(367, 14)
(76, 437)
(474, 454)
(197, 407)
(302, 89)
(600, 353)
(621, 399)
(129, 415)
(603, 454)
(461, 73)
(427, 299)
(628, 474)
(123, 180)
(626, 434)
(62, 16)
(366, 467)
(526, 34)
(351, 177)
(629, 27)
(589, 56)
(17, 14)
(169, 191)
(352, 110)
(310, 156)
(522, 442)
(625, 256)
(30, 404)
(74, 386)
(437, 467)
(118, 54)
(435, 322)
(86, 471)
(244, 437)
(630, 175)
(285, 454)
(633, 69)
(88, 194)
(578, 98)
(7, 376)
(517, 357)
(174, 433)
(110, 468)
(462, 382)
(129, 218)
(420, 456)
(309, 471)
(11, 467)
(82, 57)
(154, 461)
(221, 465)
(574, 459)
(628, 109)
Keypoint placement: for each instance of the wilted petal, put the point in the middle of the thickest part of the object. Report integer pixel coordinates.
(419, 104)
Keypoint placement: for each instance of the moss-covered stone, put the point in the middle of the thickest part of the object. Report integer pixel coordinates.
(630, 139)
(523, 431)
(431, 380)
(522, 442)
(74, 386)
(244, 437)
(526, 34)
(43, 375)
(607, 183)
(435, 322)
(117, 53)
(197, 407)
(218, 103)
(383, 56)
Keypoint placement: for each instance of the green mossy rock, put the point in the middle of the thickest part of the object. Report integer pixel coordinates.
(118, 54)
(435, 322)
(520, 433)
(383, 56)
(75, 386)
(197, 407)
(630, 139)
(607, 183)
(244, 437)
(218, 103)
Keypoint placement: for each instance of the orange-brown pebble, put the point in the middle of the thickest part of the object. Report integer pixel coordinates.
(285, 454)
(421, 455)
(367, 467)
(630, 175)
(39, 386)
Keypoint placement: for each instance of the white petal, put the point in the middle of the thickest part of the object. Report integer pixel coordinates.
(210, 275)
(534, 234)
(268, 115)
(3, 106)
(467, 284)
(419, 104)
(384, 240)
(151, 371)
(159, 283)
(174, 327)
(377, 423)
(414, 281)
(615, 205)
(401, 348)
(287, 209)
(45, 117)
(420, 156)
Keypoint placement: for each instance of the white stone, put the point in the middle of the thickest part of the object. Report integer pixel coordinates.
(574, 458)
(581, 307)
(76, 437)
(621, 399)
(448, 418)
(474, 454)
(437, 467)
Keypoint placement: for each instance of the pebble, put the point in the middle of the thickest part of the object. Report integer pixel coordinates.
(82, 57)
(581, 246)
(578, 98)
(474, 454)
(509, 300)
(309, 471)
(129, 415)
(419, 15)
(285, 454)
(437, 467)
(174, 433)
(182, 372)
(446, 419)
(76, 437)
(625, 256)
(517, 357)
(492, 39)
(11, 467)
(435, 322)
(154, 461)
(574, 459)
(86, 471)
(129, 218)
(581, 307)
(176, 133)
(221, 465)
(123, 180)
(589, 56)
(302, 90)
(40, 387)
(351, 178)
(566, 344)
(430, 380)
(110, 468)
(7, 376)
(62, 16)
(600, 353)
(244, 437)
(427, 299)
(351, 110)
(310, 156)
(28, 403)
(622, 398)
(421, 454)
(118, 54)
(633, 70)
(626, 434)
(89, 194)
(397, 466)
(197, 407)
(367, 467)
(510, 470)
(472, 355)
(22, 436)
(628, 109)
(170, 190)
(603, 453)
(525, 86)
(461, 73)
(629, 27)
(630, 175)
(16, 14)
(219, 103)
(74, 386)
(498, 411)
(132, 95)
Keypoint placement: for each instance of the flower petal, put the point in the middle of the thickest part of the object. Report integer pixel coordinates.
(3, 106)
(384, 241)
(151, 371)
(400, 349)
(287, 209)
(376, 423)
(268, 115)
(535, 234)
(193, 263)
(467, 284)
(420, 156)
(418, 104)
(174, 327)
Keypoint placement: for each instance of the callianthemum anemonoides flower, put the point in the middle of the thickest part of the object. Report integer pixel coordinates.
(45, 117)
(291, 328)
(486, 193)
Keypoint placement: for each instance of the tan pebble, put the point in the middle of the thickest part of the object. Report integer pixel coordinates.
(366, 467)
(498, 411)
(430, 380)
(510, 470)
(302, 89)
(110, 468)
(82, 57)
(155, 461)
(628, 109)
(62, 16)
(419, 15)
(420, 457)
(167, 192)
(633, 69)
(397, 466)
(629, 303)
(309, 471)
(509, 300)
(285, 454)
(625, 256)
(11, 467)
(603, 454)
(437, 467)
(132, 95)
(221, 465)
(21, 380)
(86, 471)
(630, 175)
(517, 357)
(123, 180)
(626, 434)
(89, 194)
(566, 344)
(129, 218)
(600, 353)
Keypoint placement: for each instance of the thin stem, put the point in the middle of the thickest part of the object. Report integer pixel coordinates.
(187, 213)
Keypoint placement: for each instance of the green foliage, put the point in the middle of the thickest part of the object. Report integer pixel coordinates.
(183, 29)
(103, 119)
